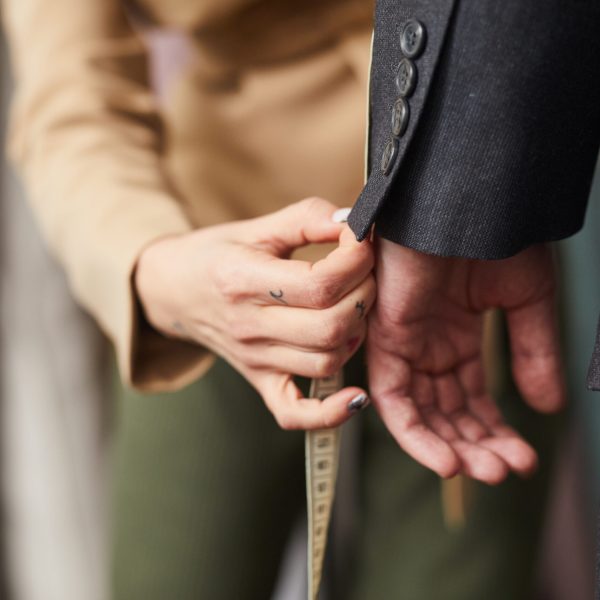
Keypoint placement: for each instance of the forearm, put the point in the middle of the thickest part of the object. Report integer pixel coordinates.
(86, 136)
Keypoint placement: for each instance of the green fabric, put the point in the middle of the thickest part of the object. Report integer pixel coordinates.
(206, 488)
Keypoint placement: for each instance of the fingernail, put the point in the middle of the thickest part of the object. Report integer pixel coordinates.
(341, 215)
(358, 402)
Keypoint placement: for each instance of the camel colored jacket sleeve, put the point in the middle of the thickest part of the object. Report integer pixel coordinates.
(87, 138)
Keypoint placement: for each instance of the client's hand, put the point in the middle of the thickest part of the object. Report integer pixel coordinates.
(233, 289)
(424, 353)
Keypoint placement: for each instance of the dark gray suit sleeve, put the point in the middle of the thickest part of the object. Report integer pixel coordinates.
(503, 127)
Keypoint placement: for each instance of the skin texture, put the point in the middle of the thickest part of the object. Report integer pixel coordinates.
(424, 353)
(233, 289)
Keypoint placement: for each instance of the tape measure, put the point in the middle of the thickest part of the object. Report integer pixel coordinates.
(322, 449)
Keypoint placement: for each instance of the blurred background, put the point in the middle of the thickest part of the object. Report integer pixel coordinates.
(55, 415)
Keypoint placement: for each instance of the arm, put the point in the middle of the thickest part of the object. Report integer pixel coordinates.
(87, 138)
(502, 130)
(494, 160)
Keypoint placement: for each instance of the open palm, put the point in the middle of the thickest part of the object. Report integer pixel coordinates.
(424, 353)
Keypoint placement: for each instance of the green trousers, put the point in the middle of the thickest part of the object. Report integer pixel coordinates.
(206, 489)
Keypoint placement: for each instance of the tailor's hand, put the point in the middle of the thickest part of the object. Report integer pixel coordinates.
(233, 289)
(424, 351)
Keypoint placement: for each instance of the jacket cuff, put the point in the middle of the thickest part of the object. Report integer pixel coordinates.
(102, 279)
(153, 363)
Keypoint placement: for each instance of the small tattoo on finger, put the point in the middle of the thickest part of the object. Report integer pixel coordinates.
(179, 328)
(360, 307)
(277, 296)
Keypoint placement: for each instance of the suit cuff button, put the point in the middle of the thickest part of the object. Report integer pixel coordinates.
(389, 156)
(413, 38)
(406, 77)
(400, 115)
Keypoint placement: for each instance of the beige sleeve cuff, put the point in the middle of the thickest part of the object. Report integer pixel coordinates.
(103, 282)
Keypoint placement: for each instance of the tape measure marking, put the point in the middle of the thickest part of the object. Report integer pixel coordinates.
(322, 448)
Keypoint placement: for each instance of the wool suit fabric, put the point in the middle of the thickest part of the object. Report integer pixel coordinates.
(504, 128)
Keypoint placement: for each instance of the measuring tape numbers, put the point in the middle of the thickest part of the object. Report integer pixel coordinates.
(322, 448)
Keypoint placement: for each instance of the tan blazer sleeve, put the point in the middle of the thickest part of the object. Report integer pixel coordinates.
(87, 138)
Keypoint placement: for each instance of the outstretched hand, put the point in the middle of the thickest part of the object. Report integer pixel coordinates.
(425, 356)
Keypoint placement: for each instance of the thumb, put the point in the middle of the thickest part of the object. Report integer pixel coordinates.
(291, 411)
(310, 221)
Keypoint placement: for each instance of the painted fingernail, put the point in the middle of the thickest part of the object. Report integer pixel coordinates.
(358, 402)
(341, 215)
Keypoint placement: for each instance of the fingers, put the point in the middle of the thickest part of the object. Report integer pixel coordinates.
(317, 364)
(536, 361)
(292, 411)
(389, 378)
(405, 423)
(476, 461)
(310, 221)
(275, 281)
(442, 426)
(304, 341)
(502, 439)
(480, 463)
(514, 451)
(487, 454)
(312, 329)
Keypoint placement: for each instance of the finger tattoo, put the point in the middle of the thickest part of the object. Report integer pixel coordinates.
(360, 307)
(277, 296)
(179, 328)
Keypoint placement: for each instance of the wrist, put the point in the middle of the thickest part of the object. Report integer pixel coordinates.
(154, 286)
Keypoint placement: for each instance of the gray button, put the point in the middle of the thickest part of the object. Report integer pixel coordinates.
(399, 117)
(412, 38)
(406, 77)
(389, 156)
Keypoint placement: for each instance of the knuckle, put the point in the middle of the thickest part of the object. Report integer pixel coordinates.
(228, 279)
(312, 203)
(242, 330)
(286, 420)
(327, 364)
(303, 209)
(322, 292)
(248, 356)
(329, 420)
(232, 323)
(333, 332)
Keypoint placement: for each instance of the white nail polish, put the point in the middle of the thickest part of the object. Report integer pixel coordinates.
(341, 215)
